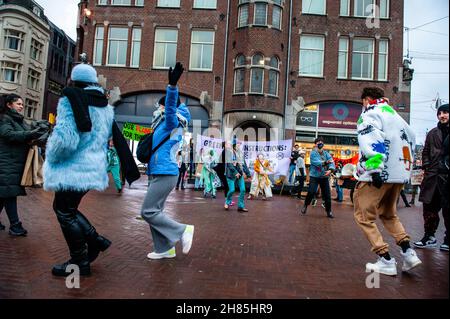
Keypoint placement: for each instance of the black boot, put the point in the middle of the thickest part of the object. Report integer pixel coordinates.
(2, 227)
(17, 230)
(330, 215)
(76, 241)
(96, 243)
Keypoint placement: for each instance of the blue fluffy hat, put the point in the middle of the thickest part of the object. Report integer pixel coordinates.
(84, 73)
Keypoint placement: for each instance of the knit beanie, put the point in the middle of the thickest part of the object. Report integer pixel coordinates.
(442, 108)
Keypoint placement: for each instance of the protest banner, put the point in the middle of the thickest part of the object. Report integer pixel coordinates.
(134, 131)
(277, 152)
(206, 143)
(416, 177)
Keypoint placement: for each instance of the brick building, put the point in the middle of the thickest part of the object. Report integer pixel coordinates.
(298, 66)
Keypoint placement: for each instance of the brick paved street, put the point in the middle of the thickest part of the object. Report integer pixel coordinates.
(270, 252)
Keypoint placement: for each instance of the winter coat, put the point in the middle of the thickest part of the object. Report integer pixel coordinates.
(319, 166)
(431, 159)
(235, 164)
(14, 136)
(163, 161)
(386, 144)
(77, 161)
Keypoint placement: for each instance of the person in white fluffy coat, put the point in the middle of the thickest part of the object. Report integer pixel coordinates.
(385, 162)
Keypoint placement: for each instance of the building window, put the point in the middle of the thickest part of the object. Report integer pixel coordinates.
(36, 50)
(117, 46)
(98, 45)
(362, 59)
(31, 107)
(311, 55)
(343, 58)
(260, 14)
(205, 4)
(274, 75)
(314, 7)
(102, 2)
(135, 47)
(383, 61)
(11, 72)
(121, 2)
(243, 16)
(384, 9)
(169, 3)
(345, 8)
(364, 8)
(239, 74)
(139, 3)
(165, 48)
(33, 79)
(14, 40)
(202, 49)
(277, 14)
(257, 74)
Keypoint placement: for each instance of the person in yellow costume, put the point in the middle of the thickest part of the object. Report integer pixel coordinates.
(261, 182)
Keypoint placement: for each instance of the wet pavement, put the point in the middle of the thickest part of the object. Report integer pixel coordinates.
(270, 252)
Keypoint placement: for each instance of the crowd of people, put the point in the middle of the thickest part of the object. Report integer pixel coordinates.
(86, 144)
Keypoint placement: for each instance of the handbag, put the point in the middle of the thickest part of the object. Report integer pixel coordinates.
(32, 175)
(216, 181)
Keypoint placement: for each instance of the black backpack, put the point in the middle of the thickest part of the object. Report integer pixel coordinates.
(145, 148)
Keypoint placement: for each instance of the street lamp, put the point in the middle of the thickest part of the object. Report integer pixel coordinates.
(87, 13)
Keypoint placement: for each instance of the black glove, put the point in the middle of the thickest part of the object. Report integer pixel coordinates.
(34, 134)
(377, 181)
(175, 74)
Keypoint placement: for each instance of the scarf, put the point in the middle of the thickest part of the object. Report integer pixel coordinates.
(159, 117)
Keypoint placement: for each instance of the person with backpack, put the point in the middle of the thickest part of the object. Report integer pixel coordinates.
(168, 123)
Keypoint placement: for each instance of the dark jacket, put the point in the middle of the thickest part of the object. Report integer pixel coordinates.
(235, 165)
(14, 138)
(431, 163)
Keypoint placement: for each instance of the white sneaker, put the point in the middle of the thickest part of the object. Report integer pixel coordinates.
(410, 259)
(383, 266)
(168, 254)
(186, 239)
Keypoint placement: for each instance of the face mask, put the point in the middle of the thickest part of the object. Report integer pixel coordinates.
(320, 145)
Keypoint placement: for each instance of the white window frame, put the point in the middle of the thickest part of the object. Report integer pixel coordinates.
(343, 52)
(364, 52)
(14, 67)
(365, 15)
(254, 13)
(239, 68)
(324, 7)
(281, 17)
(98, 41)
(247, 6)
(109, 45)
(159, 5)
(385, 56)
(387, 3)
(277, 72)
(30, 104)
(102, 2)
(200, 6)
(139, 3)
(38, 47)
(20, 38)
(134, 42)
(312, 49)
(347, 14)
(121, 3)
(259, 67)
(164, 67)
(33, 79)
(202, 44)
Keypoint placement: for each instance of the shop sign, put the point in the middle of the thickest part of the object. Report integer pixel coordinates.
(339, 115)
(308, 119)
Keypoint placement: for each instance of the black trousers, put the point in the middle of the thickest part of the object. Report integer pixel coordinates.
(298, 189)
(10, 205)
(431, 210)
(220, 170)
(72, 222)
(182, 171)
(324, 183)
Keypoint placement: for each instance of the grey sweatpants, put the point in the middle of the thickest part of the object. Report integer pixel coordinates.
(165, 231)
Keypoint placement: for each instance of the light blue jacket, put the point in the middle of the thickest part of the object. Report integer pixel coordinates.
(74, 160)
(317, 168)
(164, 161)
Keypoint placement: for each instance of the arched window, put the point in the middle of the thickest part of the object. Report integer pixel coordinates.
(239, 74)
(274, 75)
(257, 74)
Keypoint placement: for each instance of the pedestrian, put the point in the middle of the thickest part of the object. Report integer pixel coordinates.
(181, 170)
(322, 165)
(198, 182)
(403, 196)
(339, 190)
(76, 162)
(300, 175)
(114, 166)
(385, 142)
(434, 187)
(415, 188)
(261, 183)
(208, 173)
(236, 172)
(163, 173)
(191, 158)
(294, 156)
(15, 136)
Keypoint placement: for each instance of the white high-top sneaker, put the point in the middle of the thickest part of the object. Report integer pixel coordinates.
(167, 254)
(410, 259)
(383, 266)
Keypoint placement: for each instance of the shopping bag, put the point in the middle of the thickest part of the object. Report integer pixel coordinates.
(32, 173)
(27, 176)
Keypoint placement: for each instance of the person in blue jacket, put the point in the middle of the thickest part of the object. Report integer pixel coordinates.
(322, 165)
(163, 171)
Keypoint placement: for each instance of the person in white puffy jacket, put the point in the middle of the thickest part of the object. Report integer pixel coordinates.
(385, 162)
